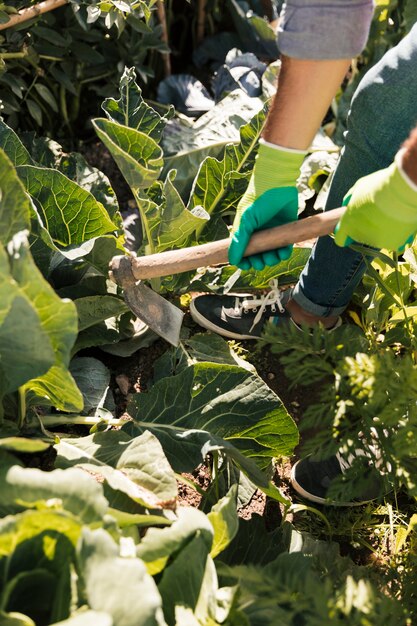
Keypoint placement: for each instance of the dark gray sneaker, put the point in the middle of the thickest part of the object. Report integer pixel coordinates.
(312, 479)
(241, 316)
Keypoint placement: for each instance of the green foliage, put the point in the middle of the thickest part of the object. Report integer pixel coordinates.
(167, 220)
(225, 400)
(85, 516)
(102, 539)
(367, 376)
(195, 200)
(135, 466)
(54, 233)
(54, 68)
(301, 589)
(46, 542)
(68, 536)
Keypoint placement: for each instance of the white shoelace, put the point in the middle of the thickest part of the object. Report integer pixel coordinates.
(272, 299)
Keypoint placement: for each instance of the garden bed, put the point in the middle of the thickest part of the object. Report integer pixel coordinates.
(144, 484)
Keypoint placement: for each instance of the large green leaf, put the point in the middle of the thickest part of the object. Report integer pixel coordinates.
(75, 167)
(103, 334)
(178, 224)
(189, 576)
(12, 146)
(225, 522)
(94, 309)
(225, 400)
(186, 448)
(26, 350)
(70, 214)
(137, 467)
(33, 592)
(159, 544)
(185, 580)
(58, 320)
(199, 347)
(138, 156)
(131, 109)
(97, 252)
(11, 440)
(253, 544)
(21, 528)
(85, 618)
(169, 223)
(14, 203)
(40, 549)
(56, 388)
(219, 185)
(187, 144)
(118, 585)
(67, 266)
(73, 489)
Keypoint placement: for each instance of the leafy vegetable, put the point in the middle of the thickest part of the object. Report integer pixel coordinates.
(225, 400)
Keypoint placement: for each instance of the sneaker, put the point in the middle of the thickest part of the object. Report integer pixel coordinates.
(241, 316)
(312, 479)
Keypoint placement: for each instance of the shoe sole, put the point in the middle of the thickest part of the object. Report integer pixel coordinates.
(317, 499)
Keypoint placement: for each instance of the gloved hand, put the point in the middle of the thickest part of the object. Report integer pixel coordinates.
(381, 210)
(271, 199)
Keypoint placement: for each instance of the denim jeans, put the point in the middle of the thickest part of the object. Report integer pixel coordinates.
(382, 114)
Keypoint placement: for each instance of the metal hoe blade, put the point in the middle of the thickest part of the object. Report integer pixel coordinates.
(160, 315)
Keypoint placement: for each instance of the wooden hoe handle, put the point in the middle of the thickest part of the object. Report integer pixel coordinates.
(215, 253)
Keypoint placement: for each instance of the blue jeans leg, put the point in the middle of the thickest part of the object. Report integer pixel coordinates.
(383, 112)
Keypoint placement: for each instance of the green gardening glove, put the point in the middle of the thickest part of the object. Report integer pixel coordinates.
(271, 199)
(381, 210)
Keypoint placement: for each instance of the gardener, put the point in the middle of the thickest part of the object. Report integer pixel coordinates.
(376, 176)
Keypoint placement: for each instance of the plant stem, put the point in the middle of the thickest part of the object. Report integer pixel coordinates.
(215, 473)
(166, 57)
(408, 322)
(375, 275)
(29, 89)
(14, 55)
(201, 20)
(46, 57)
(188, 356)
(150, 247)
(190, 483)
(27, 14)
(92, 79)
(63, 103)
(21, 408)
(144, 221)
(85, 420)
